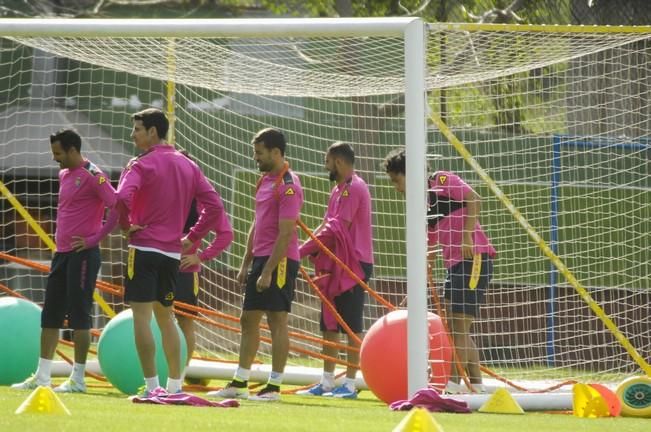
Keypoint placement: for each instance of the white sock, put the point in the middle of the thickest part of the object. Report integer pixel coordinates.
(152, 383)
(275, 378)
(349, 383)
(173, 385)
(242, 374)
(328, 380)
(78, 370)
(44, 370)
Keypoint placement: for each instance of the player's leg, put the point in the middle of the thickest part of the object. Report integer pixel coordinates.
(277, 301)
(279, 340)
(171, 344)
(327, 383)
(168, 270)
(252, 312)
(140, 293)
(463, 305)
(82, 270)
(350, 306)
(467, 355)
(52, 317)
(145, 345)
(187, 291)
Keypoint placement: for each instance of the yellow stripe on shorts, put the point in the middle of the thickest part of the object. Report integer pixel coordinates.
(476, 271)
(281, 273)
(195, 284)
(131, 260)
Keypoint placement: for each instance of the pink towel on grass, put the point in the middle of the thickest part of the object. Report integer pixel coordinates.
(432, 401)
(186, 399)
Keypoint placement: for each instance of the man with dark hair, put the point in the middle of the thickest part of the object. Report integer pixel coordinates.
(346, 230)
(84, 193)
(453, 223)
(272, 253)
(155, 193)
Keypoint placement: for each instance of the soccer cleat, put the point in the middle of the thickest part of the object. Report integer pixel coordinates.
(342, 392)
(454, 388)
(143, 393)
(231, 391)
(30, 384)
(71, 386)
(316, 390)
(268, 394)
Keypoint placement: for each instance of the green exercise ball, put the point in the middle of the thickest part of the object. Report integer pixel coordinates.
(118, 357)
(20, 335)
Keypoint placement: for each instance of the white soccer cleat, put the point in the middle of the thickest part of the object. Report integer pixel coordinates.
(266, 395)
(230, 392)
(71, 386)
(30, 383)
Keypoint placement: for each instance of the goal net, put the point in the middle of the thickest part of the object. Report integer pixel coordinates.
(558, 118)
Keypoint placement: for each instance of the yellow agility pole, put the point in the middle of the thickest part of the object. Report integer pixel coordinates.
(558, 263)
(171, 90)
(47, 240)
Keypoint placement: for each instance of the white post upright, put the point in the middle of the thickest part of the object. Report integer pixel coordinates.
(416, 177)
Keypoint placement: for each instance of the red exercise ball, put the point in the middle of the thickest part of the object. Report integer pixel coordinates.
(383, 356)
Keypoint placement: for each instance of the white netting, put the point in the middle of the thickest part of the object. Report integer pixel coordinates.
(559, 120)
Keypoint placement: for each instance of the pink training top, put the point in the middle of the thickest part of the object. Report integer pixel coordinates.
(156, 190)
(276, 200)
(350, 203)
(448, 232)
(83, 193)
(223, 238)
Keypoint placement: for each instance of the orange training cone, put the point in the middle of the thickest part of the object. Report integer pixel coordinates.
(587, 402)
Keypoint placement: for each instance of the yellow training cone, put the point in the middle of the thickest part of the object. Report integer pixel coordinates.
(418, 420)
(501, 402)
(43, 400)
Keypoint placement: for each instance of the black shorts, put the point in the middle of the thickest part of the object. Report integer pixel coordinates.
(70, 287)
(350, 305)
(457, 286)
(150, 276)
(187, 289)
(280, 294)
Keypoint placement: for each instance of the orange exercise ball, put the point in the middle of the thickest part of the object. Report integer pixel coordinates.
(383, 356)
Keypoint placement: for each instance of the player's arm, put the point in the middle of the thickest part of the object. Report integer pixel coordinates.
(344, 216)
(248, 255)
(130, 181)
(211, 208)
(473, 204)
(223, 238)
(107, 194)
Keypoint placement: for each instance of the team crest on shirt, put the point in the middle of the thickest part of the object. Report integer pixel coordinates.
(289, 191)
(78, 181)
(443, 179)
(102, 180)
(345, 194)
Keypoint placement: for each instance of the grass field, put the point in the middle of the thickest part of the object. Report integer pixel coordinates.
(107, 410)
